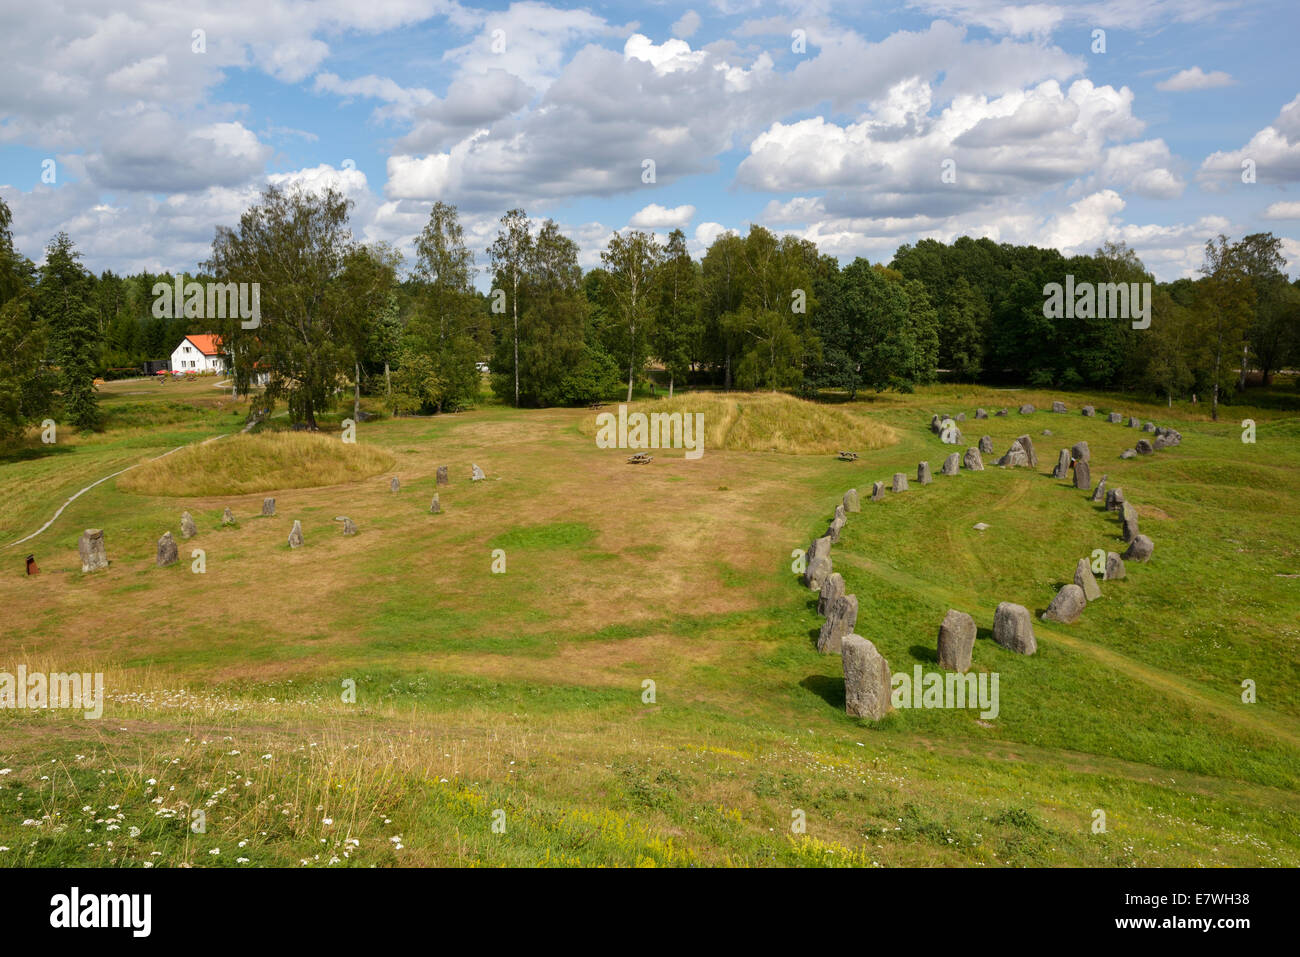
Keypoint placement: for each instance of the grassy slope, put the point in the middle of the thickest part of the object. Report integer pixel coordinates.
(523, 691)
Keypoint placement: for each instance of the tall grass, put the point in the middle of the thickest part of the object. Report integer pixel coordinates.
(257, 463)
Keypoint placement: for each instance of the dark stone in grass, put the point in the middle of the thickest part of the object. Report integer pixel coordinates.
(832, 588)
(1114, 567)
(1149, 427)
(986, 445)
(188, 528)
(951, 464)
(168, 553)
(443, 478)
(90, 547)
(1000, 412)
(1143, 447)
(1067, 606)
(1082, 475)
(1115, 418)
(227, 517)
(349, 527)
(268, 506)
(851, 501)
(1080, 450)
(1129, 518)
(841, 618)
(867, 688)
(972, 461)
(1100, 494)
(1027, 444)
(877, 491)
(1027, 409)
(435, 507)
(1015, 457)
(1088, 411)
(1062, 468)
(1085, 579)
(395, 484)
(1013, 628)
(923, 476)
(981, 414)
(1058, 406)
(818, 567)
(295, 534)
(1140, 549)
(1115, 499)
(900, 482)
(956, 640)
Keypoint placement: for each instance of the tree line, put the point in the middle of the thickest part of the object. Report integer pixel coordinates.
(340, 318)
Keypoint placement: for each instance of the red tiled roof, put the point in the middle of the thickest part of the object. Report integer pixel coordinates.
(208, 344)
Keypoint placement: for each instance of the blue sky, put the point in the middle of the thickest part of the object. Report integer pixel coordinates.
(554, 108)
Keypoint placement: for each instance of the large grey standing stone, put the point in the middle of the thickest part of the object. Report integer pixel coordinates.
(1099, 495)
(1027, 409)
(951, 464)
(1089, 411)
(841, 619)
(1114, 567)
(956, 640)
(817, 566)
(435, 507)
(1058, 406)
(1015, 457)
(1115, 418)
(1085, 579)
(1080, 450)
(443, 478)
(395, 484)
(981, 414)
(268, 506)
(923, 476)
(1115, 499)
(476, 474)
(188, 528)
(1027, 444)
(832, 588)
(1143, 447)
(227, 517)
(90, 546)
(972, 460)
(986, 445)
(866, 679)
(900, 482)
(1013, 628)
(295, 535)
(349, 527)
(851, 501)
(1082, 475)
(168, 553)
(1067, 606)
(1133, 423)
(877, 491)
(1140, 549)
(1062, 468)
(1129, 518)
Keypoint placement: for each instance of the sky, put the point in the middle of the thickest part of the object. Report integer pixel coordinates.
(139, 127)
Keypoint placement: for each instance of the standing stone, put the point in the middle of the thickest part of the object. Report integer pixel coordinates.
(1082, 475)
(443, 478)
(1000, 413)
(972, 460)
(1062, 468)
(1140, 548)
(1080, 450)
(1100, 494)
(866, 679)
(832, 588)
(90, 546)
(1115, 418)
(1149, 427)
(841, 619)
(188, 529)
(435, 507)
(923, 476)
(1013, 628)
(1115, 499)
(1058, 406)
(951, 464)
(268, 506)
(227, 517)
(1027, 444)
(851, 501)
(1114, 567)
(837, 524)
(1159, 442)
(986, 445)
(167, 550)
(1089, 411)
(1129, 517)
(1143, 447)
(394, 485)
(950, 434)
(877, 491)
(1027, 409)
(961, 416)
(956, 640)
(295, 534)
(935, 425)
(981, 414)
(476, 474)
(1015, 457)
(1067, 606)
(1133, 423)
(1085, 579)
(818, 567)
(349, 527)
(900, 482)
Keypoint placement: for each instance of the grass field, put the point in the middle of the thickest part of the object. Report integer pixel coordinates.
(503, 719)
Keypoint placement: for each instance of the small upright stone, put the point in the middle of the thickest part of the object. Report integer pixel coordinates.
(1080, 450)
(851, 503)
(1143, 447)
(1100, 494)
(951, 464)
(1140, 549)
(867, 688)
(1133, 423)
(1027, 409)
(1000, 413)
(1089, 411)
(832, 588)
(476, 474)
(1149, 427)
(877, 491)
(395, 484)
(1085, 579)
(961, 416)
(900, 482)
(1082, 475)
(972, 461)
(188, 529)
(981, 414)
(1114, 567)
(841, 619)
(1115, 499)
(837, 524)
(1115, 418)
(1014, 457)
(1062, 468)
(818, 559)
(268, 506)
(227, 517)
(1058, 406)
(435, 507)
(443, 478)
(956, 640)
(986, 445)
(295, 534)
(349, 527)
(167, 550)
(90, 546)
(1067, 606)
(923, 476)
(1013, 628)
(1129, 517)
(1027, 444)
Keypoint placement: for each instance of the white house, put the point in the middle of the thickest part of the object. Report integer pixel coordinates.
(200, 353)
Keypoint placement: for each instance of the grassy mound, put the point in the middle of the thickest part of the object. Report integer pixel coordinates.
(257, 463)
(768, 422)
